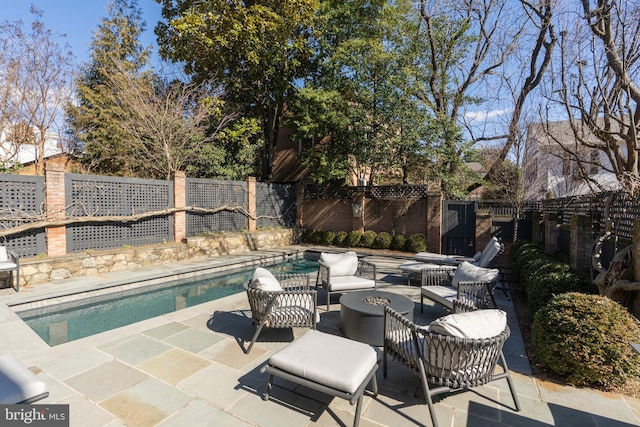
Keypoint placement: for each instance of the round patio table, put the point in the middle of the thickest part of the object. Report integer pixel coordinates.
(362, 314)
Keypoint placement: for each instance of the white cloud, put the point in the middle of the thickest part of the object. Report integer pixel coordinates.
(484, 115)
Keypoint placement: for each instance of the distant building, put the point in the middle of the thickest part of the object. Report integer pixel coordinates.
(25, 154)
(556, 165)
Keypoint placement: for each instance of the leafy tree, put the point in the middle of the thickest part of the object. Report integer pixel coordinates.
(257, 50)
(36, 79)
(95, 122)
(360, 98)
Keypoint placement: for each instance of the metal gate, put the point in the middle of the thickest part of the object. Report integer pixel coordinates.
(458, 227)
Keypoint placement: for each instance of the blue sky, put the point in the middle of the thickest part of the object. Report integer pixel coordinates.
(78, 19)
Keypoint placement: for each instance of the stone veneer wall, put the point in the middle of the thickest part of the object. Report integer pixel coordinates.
(40, 270)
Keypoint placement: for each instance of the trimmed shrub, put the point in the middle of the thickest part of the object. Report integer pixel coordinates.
(316, 237)
(549, 280)
(328, 237)
(382, 241)
(368, 238)
(353, 238)
(398, 241)
(416, 243)
(585, 339)
(341, 238)
(306, 235)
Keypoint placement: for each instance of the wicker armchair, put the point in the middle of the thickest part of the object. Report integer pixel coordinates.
(338, 273)
(292, 307)
(444, 363)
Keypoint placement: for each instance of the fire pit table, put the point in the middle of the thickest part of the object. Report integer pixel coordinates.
(362, 314)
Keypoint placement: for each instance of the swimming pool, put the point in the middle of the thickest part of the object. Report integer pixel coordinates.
(66, 322)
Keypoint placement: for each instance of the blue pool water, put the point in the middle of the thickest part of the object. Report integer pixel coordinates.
(68, 322)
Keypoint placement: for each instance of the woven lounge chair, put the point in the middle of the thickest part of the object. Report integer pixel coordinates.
(458, 351)
(444, 284)
(9, 262)
(282, 301)
(344, 272)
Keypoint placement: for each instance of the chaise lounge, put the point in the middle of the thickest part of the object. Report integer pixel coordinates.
(429, 260)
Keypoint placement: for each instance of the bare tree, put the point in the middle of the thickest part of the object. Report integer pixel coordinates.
(596, 85)
(36, 79)
(541, 16)
(168, 122)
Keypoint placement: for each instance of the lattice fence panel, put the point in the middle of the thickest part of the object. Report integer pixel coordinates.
(212, 194)
(113, 196)
(275, 205)
(21, 202)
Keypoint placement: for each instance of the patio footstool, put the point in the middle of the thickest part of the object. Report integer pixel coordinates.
(327, 363)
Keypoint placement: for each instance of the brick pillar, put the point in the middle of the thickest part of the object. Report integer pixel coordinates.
(180, 202)
(55, 208)
(358, 207)
(434, 222)
(484, 221)
(253, 212)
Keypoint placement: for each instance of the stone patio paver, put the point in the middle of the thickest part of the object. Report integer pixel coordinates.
(188, 368)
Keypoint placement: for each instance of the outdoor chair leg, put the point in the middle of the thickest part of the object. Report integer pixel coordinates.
(512, 387)
(268, 391)
(255, 336)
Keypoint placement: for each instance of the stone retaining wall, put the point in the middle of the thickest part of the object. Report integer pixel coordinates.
(40, 270)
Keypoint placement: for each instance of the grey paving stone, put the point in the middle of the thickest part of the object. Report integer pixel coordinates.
(138, 349)
(106, 380)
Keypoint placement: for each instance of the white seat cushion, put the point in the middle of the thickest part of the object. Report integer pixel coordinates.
(413, 267)
(467, 272)
(422, 256)
(6, 265)
(476, 324)
(17, 383)
(265, 281)
(344, 264)
(4, 256)
(489, 253)
(443, 295)
(327, 359)
(350, 283)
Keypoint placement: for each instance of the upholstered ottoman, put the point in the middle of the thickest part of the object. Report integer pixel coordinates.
(327, 363)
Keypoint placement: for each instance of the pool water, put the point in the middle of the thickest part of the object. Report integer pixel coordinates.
(68, 322)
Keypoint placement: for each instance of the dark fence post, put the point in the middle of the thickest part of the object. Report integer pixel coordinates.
(434, 222)
(55, 201)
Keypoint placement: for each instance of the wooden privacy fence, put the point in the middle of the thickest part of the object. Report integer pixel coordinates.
(67, 213)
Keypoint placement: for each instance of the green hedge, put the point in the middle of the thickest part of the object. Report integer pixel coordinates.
(585, 339)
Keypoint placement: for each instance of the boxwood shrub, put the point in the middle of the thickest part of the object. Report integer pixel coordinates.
(585, 339)
(328, 237)
(367, 239)
(398, 241)
(341, 238)
(416, 243)
(382, 241)
(353, 238)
